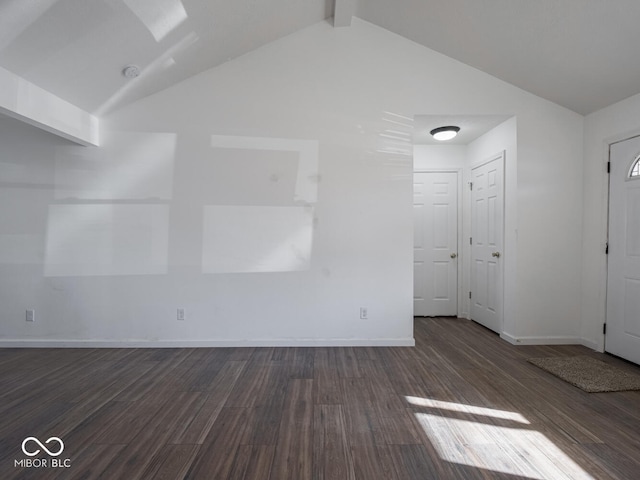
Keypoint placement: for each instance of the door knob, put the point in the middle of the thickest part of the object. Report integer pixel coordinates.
(453, 255)
(496, 254)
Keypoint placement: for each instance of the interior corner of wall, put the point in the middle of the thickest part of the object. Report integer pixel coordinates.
(510, 338)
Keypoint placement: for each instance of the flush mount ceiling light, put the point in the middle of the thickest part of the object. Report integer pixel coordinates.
(131, 71)
(444, 133)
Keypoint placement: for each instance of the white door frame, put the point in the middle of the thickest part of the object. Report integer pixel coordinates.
(595, 337)
(501, 156)
(459, 174)
(607, 192)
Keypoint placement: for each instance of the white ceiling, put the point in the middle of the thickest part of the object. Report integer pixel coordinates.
(582, 54)
(76, 49)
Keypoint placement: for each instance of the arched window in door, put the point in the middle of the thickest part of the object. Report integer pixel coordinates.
(635, 170)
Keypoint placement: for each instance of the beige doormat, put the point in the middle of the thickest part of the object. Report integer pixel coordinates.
(589, 374)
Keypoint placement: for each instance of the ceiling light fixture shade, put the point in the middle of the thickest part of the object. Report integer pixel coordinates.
(444, 133)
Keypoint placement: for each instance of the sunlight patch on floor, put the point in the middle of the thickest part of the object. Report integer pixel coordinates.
(459, 407)
(477, 437)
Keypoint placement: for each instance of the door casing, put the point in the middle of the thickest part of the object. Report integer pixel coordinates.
(460, 258)
(500, 158)
(614, 339)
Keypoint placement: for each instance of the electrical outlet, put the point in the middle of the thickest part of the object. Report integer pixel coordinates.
(364, 314)
(182, 314)
(31, 316)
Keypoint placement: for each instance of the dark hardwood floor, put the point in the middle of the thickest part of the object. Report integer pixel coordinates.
(461, 404)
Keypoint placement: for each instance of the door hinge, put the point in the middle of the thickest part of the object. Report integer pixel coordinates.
(470, 240)
(469, 294)
(604, 328)
(606, 249)
(608, 167)
(470, 185)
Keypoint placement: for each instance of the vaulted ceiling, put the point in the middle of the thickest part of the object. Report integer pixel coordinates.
(77, 49)
(582, 54)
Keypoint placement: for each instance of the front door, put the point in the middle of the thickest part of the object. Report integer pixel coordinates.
(487, 220)
(435, 248)
(623, 284)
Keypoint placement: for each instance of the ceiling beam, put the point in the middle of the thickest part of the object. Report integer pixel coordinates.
(343, 12)
(24, 101)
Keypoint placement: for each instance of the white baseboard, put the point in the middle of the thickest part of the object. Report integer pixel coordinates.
(285, 342)
(592, 345)
(541, 340)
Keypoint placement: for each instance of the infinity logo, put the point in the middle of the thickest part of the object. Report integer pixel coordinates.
(34, 439)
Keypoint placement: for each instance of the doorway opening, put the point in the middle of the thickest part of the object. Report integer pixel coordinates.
(460, 188)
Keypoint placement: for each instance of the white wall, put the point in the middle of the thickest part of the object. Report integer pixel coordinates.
(341, 237)
(614, 123)
(439, 156)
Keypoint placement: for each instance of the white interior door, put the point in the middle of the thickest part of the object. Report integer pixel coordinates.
(435, 265)
(623, 284)
(487, 221)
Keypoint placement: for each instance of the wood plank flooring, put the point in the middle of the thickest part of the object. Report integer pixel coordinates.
(461, 404)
